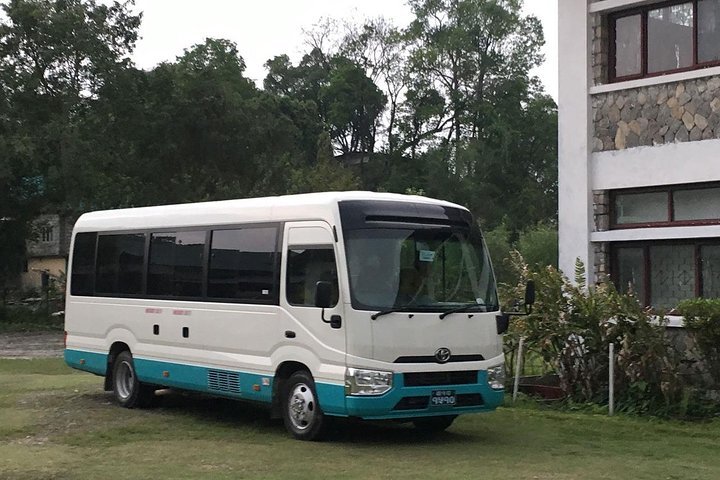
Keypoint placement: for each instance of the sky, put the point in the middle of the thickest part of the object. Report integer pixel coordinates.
(268, 28)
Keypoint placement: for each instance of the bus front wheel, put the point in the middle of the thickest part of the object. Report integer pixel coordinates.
(302, 414)
(128, 390)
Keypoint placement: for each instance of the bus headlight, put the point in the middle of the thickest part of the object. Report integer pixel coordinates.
(496, 377)
(367, 382)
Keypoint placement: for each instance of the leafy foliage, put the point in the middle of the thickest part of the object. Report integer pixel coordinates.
(702, 321)
(445, 106)
(572, 326)
(538, 246)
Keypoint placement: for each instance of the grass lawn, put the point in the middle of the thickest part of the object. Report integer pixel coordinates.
(56, 423)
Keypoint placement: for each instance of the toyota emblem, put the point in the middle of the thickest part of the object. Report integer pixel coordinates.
(442, 355)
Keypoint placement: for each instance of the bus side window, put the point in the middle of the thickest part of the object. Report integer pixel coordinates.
(243, 265)
(176, 264)
(305, 267)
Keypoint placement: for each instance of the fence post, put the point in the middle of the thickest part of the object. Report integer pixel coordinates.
(611, 380)
(518, 364)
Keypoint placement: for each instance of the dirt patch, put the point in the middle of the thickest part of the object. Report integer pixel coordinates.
(31, 345)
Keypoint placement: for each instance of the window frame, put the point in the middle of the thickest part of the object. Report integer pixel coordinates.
(645, 245)
(93, 269)
(669, 190)
(208, 229)
(143, 281)
(315, 246)
(205, 263)
(275, 298)
(644, 11)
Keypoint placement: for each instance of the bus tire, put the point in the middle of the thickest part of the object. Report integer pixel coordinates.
(429, 425)
(301, 412)
(127, 389)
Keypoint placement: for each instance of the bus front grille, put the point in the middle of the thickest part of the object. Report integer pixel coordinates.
(428, 379)
(412, 403)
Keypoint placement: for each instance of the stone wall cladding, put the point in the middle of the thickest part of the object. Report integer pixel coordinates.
(601, 215)
(600, 43)
(601, 210)
(656, 115)
(602, 260)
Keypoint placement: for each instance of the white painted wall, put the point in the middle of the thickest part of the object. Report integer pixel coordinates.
(671, 164)
(657, 233)
(574, 192)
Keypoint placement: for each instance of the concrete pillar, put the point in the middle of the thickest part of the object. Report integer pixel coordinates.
(574, 141)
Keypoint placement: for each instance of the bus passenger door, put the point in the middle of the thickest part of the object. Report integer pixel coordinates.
(310, 256)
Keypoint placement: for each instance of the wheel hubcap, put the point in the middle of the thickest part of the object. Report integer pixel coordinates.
(301, 407)
(124, 380)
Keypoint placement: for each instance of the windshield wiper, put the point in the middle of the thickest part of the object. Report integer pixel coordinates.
(404, 308)
(465, 308)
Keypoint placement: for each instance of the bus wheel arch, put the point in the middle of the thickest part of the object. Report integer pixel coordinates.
(302, 415)
(282, 374)
(115, 349)
(128, 390)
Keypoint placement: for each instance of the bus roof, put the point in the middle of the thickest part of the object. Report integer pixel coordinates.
(309, 206)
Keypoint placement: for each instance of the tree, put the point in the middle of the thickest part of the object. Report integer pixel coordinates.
(353, 104)
(326, 175)
(347, 101)
(465, 49)
(55, 56)
(379, 48)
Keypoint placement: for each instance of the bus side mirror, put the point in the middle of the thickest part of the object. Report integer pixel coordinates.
(323, 294)
(529, 295)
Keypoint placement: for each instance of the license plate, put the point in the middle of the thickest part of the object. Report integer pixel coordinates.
(441, 398)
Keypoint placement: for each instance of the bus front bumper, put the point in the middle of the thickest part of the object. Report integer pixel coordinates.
(403, 401)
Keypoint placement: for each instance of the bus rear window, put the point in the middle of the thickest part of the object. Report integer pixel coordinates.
(83, 264)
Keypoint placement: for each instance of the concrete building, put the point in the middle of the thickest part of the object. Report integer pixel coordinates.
(48, 252)
(639, 145)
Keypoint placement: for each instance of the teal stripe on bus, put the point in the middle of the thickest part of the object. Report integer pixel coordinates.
(88, 361)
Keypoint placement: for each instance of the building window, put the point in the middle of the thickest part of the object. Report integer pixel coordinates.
(662, 274)
(628, 46)
(652, 40)
(666, 206)
(46, 234)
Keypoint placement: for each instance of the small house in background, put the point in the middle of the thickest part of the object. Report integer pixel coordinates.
(639, 145)
(48, 251)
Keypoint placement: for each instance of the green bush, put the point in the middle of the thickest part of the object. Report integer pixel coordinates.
(702, 321)
(572, 326)
(27, 319)
(499, 246)
(539, 245)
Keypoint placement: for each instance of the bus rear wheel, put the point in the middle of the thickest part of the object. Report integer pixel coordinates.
(129, 392)
(301, 412)
(434, 424)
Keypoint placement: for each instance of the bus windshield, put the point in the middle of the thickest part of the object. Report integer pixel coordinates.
(423, 269)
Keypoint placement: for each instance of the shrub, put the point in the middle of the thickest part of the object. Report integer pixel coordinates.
(539, 245)
(572, 326)
(702, 321)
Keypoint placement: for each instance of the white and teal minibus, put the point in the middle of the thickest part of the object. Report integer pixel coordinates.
(344, 304)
